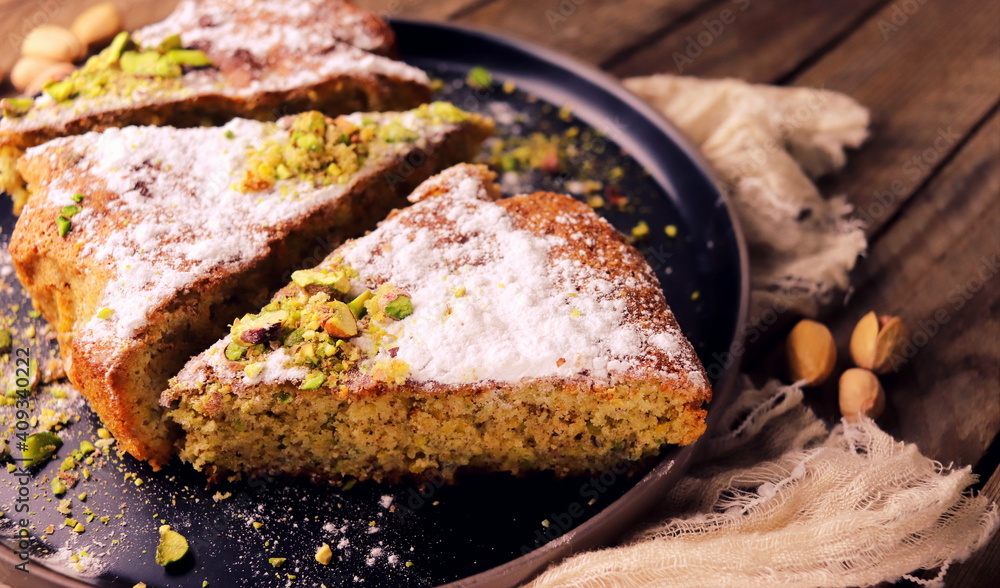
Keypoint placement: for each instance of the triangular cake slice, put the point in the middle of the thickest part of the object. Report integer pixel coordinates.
(140, 244)
(212, 60)
(466, 332)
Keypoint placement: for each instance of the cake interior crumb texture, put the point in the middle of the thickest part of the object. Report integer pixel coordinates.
(539, 339)
(164, 250)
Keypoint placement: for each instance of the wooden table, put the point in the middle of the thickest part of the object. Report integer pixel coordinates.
(927, 182)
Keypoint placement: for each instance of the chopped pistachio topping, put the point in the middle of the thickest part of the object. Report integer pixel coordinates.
(400, 308)
(357, 305)
(15, 107)
(105, 313)
(63, 225)
(6, 341)
(120, 69)
(479, 77)
(69, 211)
(325, 151)
(172, 548)
(40, 447)
(78, 198)
(310, 319)
(276, 562)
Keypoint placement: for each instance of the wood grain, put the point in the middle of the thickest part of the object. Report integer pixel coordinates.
(938, 267)
(982, 565)
(588, 29)
(928, 80)
(754, 40)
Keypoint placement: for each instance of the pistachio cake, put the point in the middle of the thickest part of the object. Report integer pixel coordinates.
(212, 60)
(140, 244)
(466, 332)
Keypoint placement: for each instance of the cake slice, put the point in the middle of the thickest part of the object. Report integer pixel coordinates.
(212, 60)
(466, 332)
(140, 244)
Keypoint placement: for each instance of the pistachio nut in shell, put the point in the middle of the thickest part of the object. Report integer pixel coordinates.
(861, 394)
(97, 24)
(811, 353)
(877, 342)
(52, 42)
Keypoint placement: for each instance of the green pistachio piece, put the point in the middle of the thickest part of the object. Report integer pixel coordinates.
(276, 561)
(479, 77)
(6, 341)
(448, 112)
(58, 487)
(86, 447)
(282, 172)
(63, 225)
(256, 329)
(148, 63)
(313, 381)
(395, 132)
(189, 57)
(252, 370)
(400, 308)
(59, 91)
(39, 447)
(306, 353)
(330, 279)
(357, 305)
(114, 51)
(69, 211)
(172, 548)
(170, 43)
(235, 351)
(284, 398)
(78, 198)
(293, 338)
(339, 320)
(309, 142)
(311, 122)
(15, 107)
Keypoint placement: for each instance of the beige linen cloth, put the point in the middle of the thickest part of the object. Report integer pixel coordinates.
(776, 498)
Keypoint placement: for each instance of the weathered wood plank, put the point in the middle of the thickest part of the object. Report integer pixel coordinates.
(755, 40)
(937, 266)
(929, 72)
(590, 30)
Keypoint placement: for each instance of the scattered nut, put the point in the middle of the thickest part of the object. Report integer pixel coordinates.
(877, 341)
(324, 554)
(53, 42)
(860, 394)
(812, 353)
(53, 73)
(97, 24)
(339, 321)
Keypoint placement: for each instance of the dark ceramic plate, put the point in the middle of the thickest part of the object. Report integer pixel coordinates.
(487, 530)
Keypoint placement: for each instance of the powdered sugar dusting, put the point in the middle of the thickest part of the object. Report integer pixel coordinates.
(492, 302)
(173, 214)
(257, 47)
(261, 27)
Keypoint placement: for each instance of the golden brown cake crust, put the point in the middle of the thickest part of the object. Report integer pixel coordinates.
(655, 393)
(122, 363)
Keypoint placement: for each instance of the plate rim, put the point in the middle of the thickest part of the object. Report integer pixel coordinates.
(600, 527)
(587, 535)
